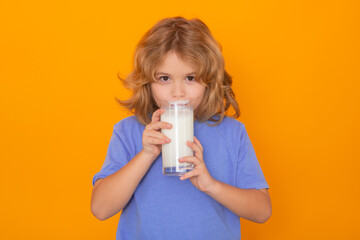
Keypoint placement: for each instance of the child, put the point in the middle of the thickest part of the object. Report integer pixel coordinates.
(179, 59)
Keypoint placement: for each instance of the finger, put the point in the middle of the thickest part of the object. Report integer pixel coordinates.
(155, 141)
(156, 115)
(190, 174)
(198, 143)
(157, 134)
(196, 148)
(158, 126)
(189, 159)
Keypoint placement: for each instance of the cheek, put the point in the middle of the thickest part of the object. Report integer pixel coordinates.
(154, 93)
(201, 92)
(199, 95)
(157, 93)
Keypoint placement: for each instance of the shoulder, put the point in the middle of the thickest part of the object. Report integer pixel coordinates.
(232, 129)
(128, 124)
(229, 128)
(231, 125)
(129, 131)
(231, 122)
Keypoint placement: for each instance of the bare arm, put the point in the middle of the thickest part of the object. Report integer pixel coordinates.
(251, 204)
(112, 193)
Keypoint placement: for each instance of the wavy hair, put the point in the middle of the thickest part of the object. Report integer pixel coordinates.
(192, 41)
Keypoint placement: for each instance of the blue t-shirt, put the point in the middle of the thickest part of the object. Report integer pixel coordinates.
(164, 207)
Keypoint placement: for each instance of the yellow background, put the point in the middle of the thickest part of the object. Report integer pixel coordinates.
(295, 66)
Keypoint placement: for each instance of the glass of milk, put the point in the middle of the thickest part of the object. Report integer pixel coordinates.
(181, 115)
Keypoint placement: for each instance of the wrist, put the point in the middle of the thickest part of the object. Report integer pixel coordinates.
(213, 188)
(147, 156)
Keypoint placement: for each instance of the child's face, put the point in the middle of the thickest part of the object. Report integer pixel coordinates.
(175, 80)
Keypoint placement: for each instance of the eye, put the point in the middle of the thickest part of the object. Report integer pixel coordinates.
(164, 78)
(190, 78)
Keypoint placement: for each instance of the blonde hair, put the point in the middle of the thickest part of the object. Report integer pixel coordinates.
(192, 41)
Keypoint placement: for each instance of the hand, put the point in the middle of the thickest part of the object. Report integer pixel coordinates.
(200, 176)
(152, 137)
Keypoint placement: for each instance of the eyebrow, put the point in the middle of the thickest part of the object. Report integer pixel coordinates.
(168, 74)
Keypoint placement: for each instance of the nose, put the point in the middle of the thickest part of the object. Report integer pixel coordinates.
(178, 90)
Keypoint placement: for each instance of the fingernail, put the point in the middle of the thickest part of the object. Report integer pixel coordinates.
(169, 125)
(167, 140)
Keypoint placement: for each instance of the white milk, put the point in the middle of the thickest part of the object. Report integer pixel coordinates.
(182, 120)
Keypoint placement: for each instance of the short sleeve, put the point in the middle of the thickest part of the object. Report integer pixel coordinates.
(249, 173)
(116, 157)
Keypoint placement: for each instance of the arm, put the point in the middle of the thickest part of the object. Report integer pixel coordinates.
(112, 193)
(251, 204)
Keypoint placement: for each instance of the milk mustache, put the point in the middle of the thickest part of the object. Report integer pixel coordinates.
(180, 114)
